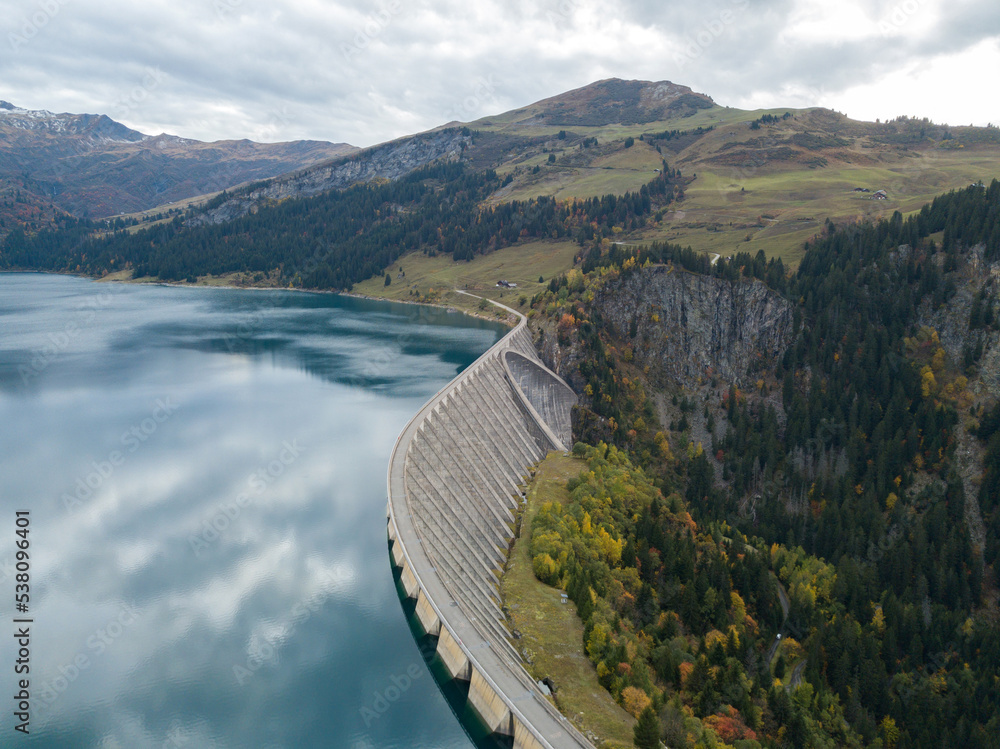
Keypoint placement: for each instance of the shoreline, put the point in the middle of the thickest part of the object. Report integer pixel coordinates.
(447, 307)
(184, 285)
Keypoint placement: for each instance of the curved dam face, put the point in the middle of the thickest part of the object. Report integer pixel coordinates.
(453, 491)
(552, 399)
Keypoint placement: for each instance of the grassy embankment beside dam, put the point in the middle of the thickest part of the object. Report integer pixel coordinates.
(551, 632)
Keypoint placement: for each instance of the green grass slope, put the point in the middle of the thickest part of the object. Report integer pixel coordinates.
(765, 179)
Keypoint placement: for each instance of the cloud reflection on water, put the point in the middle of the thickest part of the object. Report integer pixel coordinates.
(302, 566)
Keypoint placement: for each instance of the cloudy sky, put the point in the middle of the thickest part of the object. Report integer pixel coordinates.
(365, 72)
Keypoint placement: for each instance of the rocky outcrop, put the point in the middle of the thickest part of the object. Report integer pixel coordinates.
(387, 161)
(682, 325)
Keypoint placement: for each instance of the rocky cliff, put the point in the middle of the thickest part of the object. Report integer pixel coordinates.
(386, 161)
(682, 325)
(951, 320)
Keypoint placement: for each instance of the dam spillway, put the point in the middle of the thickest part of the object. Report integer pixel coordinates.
(453, 486)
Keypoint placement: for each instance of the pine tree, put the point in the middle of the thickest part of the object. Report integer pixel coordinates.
(646, 734)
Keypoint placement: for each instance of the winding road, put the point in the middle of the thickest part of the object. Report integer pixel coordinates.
(795, 680)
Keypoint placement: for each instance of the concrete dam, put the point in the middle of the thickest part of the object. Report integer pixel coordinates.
(453, 493)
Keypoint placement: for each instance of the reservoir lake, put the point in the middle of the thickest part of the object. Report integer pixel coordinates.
(205, 475)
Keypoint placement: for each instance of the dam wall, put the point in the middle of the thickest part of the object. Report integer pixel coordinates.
(453, 487)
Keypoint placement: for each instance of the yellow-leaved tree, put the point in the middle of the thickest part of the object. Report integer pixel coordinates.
(928, 385)
(635, 700)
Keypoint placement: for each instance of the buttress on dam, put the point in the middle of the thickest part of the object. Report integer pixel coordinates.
(453, 493)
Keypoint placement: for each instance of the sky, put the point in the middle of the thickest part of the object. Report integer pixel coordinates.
(366, 72)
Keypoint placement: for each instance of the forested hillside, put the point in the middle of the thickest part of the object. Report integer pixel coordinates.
(338, 238)
(678, 616)
(837, 462)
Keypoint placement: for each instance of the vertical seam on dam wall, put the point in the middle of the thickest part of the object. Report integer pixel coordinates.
(453, 488)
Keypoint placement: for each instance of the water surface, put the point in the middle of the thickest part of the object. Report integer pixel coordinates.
(205, 471)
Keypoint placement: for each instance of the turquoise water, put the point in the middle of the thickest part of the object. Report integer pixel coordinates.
(205, 474)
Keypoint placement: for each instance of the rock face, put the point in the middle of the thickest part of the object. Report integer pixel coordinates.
(951, 320)
(682, 325)
(386, 161)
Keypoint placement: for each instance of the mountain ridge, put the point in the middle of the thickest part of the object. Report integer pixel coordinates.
(53, 164)
(763, 179)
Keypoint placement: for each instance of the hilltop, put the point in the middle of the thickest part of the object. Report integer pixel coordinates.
(608, 102)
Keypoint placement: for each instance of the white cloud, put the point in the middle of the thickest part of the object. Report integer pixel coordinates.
(365, 72)
(819, 22)
(933, 88)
